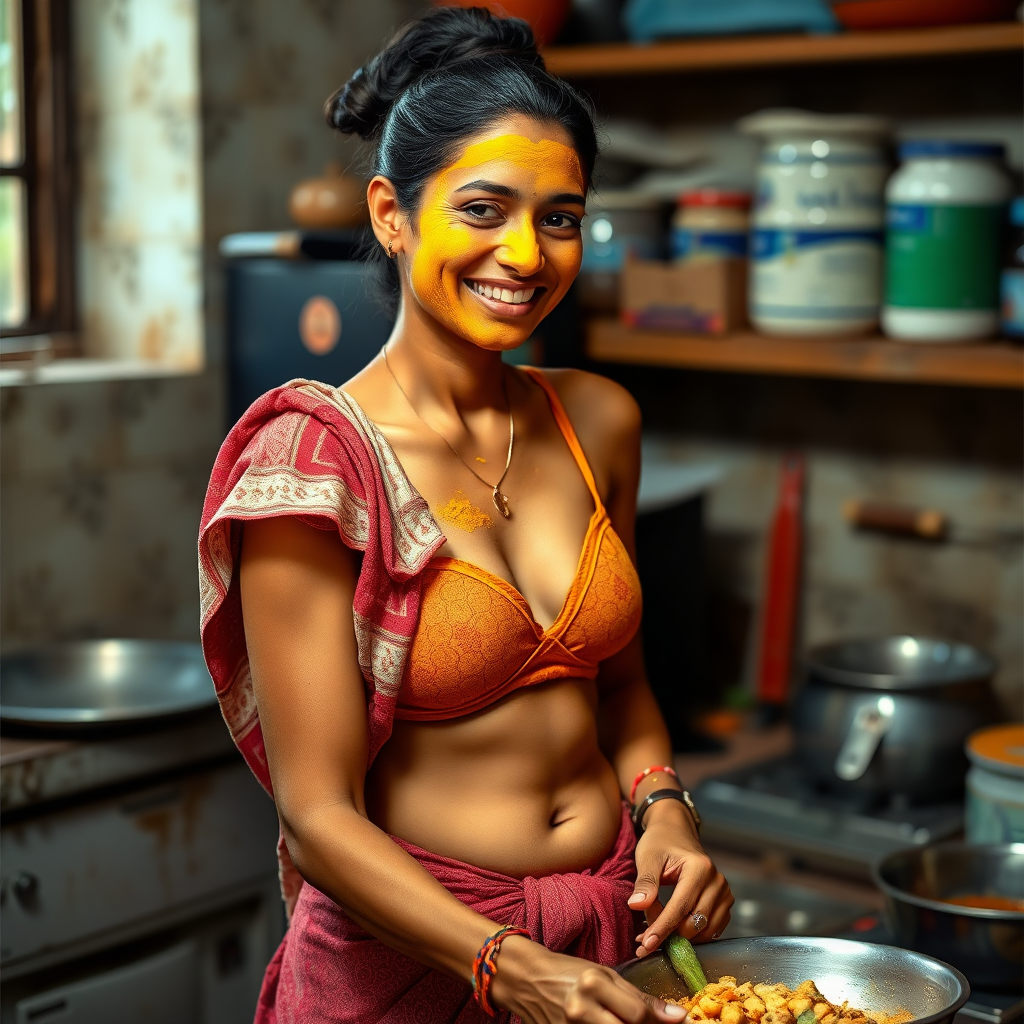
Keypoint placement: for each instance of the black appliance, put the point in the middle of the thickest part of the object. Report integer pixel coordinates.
(299, 315)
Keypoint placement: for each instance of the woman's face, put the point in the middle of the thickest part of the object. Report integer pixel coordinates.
(497, 238)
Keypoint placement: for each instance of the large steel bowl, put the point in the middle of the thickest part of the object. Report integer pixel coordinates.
(103, 683)
(877, 979)
(987, 945)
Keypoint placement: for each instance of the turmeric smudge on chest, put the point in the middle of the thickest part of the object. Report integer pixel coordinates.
(461, 512)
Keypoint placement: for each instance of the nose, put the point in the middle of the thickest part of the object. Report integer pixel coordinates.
(519, 250)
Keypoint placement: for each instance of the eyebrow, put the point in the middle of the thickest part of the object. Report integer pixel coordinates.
(510, 193)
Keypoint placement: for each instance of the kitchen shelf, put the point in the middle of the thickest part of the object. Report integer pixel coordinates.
(759, 51)
(986, 364)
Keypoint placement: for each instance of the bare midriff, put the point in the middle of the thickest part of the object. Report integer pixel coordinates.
(521, 787)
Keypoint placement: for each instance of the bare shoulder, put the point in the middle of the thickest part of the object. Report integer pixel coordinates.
(600, 410)
(606, 419)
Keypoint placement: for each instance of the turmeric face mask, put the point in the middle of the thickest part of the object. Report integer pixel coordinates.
(498, 238)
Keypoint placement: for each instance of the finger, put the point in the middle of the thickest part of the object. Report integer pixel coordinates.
(645, 889)
(698, 924)
(682, 903)
(720, 917)
(662, 1011)
(651, 1008)
(652, 914)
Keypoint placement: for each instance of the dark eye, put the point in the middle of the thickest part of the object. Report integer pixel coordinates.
(561, 221)
(481, 211)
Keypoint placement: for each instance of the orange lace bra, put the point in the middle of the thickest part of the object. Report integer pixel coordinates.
(477, 639)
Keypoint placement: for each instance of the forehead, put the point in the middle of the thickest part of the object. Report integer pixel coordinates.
(518, 145)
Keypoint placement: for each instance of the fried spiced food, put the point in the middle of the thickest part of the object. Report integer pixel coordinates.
(728, 1002)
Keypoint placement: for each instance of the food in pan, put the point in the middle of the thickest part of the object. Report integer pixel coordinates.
(729, 1002)
(979, 902)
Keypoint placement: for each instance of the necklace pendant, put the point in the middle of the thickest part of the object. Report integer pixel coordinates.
(500, 502)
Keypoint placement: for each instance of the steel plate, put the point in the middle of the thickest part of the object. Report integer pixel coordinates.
(103, 682)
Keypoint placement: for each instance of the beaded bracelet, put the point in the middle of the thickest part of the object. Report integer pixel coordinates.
(485, 966)
(667, 769)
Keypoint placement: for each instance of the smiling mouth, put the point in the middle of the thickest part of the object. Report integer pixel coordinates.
(506, 301)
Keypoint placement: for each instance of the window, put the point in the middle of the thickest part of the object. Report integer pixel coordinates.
(36, 181)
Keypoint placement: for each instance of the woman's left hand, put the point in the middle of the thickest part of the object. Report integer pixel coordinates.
(669, 853)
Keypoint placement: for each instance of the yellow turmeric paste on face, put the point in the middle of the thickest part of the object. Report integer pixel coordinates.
(459, 511)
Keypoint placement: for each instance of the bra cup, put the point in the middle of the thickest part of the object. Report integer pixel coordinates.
(476, 640)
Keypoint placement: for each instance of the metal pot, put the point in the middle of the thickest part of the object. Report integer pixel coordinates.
(987, 945)
(888, 717)
(876, 978)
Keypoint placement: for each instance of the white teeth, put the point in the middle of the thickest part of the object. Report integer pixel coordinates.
(503, 294)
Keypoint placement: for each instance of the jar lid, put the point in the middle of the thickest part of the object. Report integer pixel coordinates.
(948, 147)
(999, 748)
(715, 197)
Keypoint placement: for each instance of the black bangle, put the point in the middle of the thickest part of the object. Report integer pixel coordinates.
(663, 794)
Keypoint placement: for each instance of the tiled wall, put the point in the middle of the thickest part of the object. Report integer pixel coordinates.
(101, 485)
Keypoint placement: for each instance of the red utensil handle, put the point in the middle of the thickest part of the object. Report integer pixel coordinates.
(781, 586)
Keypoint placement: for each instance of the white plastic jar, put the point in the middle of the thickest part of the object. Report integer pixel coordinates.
(945, 211)
(817, 238)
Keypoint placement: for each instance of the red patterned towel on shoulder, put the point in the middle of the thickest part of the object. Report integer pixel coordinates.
(308, 450)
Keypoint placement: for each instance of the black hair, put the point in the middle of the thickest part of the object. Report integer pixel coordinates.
(438, 81)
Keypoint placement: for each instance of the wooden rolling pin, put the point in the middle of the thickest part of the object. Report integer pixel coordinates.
(929, 524)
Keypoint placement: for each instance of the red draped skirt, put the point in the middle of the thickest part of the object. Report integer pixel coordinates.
(327, 970)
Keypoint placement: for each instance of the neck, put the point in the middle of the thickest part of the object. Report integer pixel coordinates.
(439, 369)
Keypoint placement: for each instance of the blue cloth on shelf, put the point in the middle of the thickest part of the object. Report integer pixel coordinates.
(647, 20)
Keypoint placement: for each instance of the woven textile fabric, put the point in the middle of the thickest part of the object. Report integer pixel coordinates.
(308, 450)
(329, 971)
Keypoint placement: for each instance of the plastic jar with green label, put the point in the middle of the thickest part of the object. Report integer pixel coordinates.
(944, 219)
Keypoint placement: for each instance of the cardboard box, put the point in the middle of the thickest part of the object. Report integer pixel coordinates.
(704, 297)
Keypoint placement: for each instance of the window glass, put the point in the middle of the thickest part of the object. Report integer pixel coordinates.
(13, 253)
(11, 100)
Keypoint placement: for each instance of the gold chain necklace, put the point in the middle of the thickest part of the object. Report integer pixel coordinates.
(497, 496)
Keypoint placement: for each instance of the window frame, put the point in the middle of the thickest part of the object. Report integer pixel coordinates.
(47, 170)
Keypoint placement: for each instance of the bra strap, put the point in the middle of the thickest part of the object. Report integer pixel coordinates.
(565, 426)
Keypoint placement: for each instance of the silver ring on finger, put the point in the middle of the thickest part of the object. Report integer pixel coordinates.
(700, 922)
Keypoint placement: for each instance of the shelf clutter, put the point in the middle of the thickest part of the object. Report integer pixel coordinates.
(992, 364)
(761, 51)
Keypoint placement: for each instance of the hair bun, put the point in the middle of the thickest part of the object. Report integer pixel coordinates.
(442, 36)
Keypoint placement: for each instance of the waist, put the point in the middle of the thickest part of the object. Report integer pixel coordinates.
(520, 788)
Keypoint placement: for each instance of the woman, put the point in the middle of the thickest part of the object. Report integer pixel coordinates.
(450, 722)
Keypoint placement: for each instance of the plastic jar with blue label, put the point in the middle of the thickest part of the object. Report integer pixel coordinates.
(710, 224)
(818, 224)
(946, 207)
(1011, 288)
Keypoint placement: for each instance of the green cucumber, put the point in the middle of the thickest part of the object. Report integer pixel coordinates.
(807, 1017)
(684, 962)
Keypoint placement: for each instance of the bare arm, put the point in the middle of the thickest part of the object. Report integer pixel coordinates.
(297, 587)
(632, 731)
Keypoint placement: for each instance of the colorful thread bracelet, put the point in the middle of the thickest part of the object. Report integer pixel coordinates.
(667, 769)
(485, 966)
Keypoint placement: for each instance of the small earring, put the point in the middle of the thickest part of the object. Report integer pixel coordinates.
(391, 255)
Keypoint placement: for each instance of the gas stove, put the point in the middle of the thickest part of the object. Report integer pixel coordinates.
(773, 805)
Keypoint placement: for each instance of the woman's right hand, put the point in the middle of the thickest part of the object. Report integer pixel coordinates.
(551, 988)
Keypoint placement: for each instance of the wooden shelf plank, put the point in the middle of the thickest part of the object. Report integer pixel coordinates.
(758, 51)
(987, 364)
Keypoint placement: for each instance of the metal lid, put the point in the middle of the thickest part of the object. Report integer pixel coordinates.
(899, 663)
(951, 148)
(999, 748)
